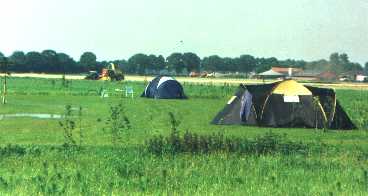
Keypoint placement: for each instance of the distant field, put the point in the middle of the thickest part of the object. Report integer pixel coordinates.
(215, 81)
(37, 162)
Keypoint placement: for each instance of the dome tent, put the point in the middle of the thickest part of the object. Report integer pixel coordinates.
(164, 87)
(285, 104)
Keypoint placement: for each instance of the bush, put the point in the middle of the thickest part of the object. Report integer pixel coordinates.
(14, 150)
(269, 143)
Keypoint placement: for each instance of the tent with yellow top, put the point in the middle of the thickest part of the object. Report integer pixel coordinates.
(285, 104)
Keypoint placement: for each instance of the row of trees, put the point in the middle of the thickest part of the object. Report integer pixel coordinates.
(50, 61)
(338, 63)
(177, 62)
(188, 62)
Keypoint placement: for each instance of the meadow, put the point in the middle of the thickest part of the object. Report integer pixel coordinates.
(102, 146)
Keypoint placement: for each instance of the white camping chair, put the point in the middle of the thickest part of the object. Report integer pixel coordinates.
(104, 94)
(129, 91)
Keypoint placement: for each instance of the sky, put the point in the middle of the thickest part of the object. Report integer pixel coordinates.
(118, 29)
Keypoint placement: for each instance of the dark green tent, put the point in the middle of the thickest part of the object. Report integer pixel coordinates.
(284, 104)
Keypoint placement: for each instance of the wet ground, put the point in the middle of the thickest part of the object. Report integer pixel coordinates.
(30, 115)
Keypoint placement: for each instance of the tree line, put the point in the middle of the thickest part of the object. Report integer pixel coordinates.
(50, 61)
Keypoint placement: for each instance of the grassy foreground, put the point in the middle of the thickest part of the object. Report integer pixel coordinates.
(37, 163)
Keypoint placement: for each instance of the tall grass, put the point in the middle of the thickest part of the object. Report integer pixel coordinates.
(108, 171)
(193, 143)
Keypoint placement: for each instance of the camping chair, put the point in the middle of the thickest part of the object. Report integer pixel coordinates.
(129, 90)
(104, 94)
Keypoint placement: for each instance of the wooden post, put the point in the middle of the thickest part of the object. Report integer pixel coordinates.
(4, 88)
(4, 63)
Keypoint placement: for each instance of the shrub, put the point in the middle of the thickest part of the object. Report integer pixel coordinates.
(269, 143)
(68, 125)
(117, 124)
(14, 150)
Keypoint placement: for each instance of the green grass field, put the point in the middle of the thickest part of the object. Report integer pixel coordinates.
(34, 161)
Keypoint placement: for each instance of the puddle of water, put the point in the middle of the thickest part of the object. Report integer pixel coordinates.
(41, 116)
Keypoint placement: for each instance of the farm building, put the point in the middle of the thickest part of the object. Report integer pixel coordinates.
(327, 76)
(310, 75)
(284, 104)
(315, 75)
(289, 71)
(279, 72)
(298, 74)
(270, 74)
(361, 78)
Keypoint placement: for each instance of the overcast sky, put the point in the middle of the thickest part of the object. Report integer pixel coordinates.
(116, 29)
